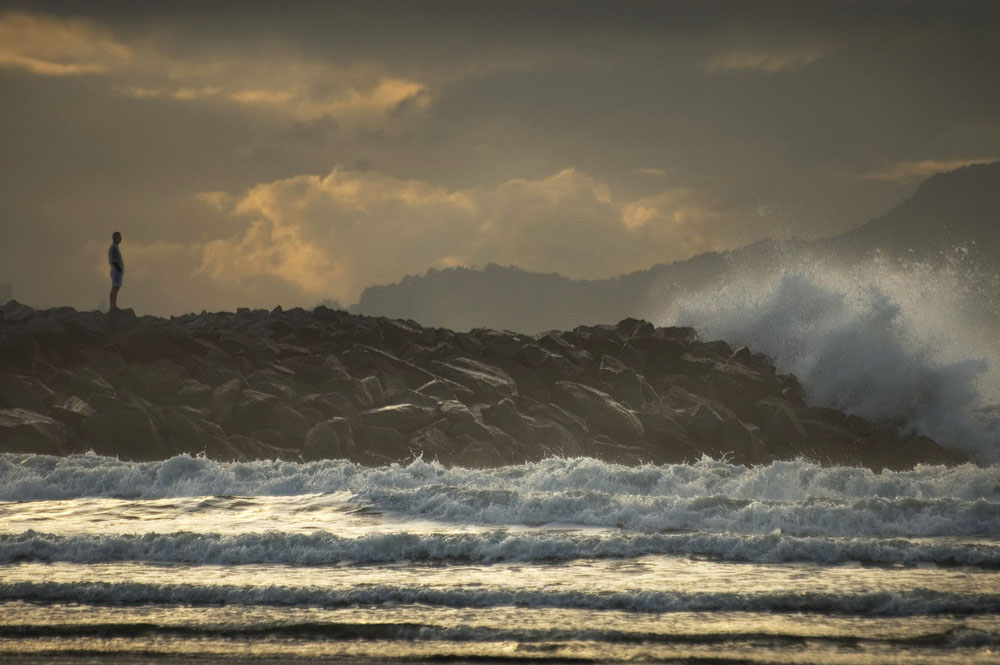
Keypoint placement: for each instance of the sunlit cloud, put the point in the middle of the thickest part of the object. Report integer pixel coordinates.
(334, 235)
(918, 170)
(282, 84)
(58, 47)
(761, 61)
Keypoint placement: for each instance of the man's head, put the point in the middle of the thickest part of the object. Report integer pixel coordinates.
(116, 237)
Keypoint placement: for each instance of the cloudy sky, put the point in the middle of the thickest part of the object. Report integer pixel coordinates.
(263, 153)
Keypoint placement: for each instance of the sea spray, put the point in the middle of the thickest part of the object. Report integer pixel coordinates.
(885, 343)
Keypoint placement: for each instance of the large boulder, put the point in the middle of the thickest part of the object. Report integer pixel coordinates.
(251, 410)
(122, 430)
(330, 439)
(400, 417)
(24, 431)
(602, 413)
(158, 381)
(26, 392)
(487, 382)
(289, 422)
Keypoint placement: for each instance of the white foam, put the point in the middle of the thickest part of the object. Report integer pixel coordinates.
(489, 546)
(796, 497)
(876, 603)
(890, 344)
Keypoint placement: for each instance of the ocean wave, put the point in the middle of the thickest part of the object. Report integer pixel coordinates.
(42, 477)
(891, 345)
(413, 631)
(876, 603)
(324, 548)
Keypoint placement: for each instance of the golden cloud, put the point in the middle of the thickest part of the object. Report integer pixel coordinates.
(334, 235)
(58, 47)
(355, 96)
(761, 61)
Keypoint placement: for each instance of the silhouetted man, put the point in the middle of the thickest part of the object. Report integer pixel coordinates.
(117, 269)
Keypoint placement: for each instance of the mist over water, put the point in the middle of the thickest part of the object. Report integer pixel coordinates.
(912, 347)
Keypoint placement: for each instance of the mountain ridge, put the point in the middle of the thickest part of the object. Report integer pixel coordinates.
(957, 211)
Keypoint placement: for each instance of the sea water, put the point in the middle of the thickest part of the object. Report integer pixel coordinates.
(559, 560)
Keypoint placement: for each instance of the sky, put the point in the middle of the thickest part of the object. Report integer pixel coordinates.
(265, 153)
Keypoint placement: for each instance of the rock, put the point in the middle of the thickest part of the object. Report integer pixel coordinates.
(373, 388)
(330, 439)
(332, 405)
(785, 433)
(443, 389)
(400, 417)
(158, 381)
(224, 398)
(187, 432)
(504, 414)
(15, 312)
(479, 455)
(487, 382)
(251, 409)
(430, 443)
(194, 393)
(377, 444)
(24, 431)
(107, 364)
(122, 430)
(603, 414)
(289, 422)
(395, 373)
(25, 392)
(223, 450)
(146, 346)
(501, 344)
(73, 411)
(410, 397)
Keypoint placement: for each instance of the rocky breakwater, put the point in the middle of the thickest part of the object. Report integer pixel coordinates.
(324, 384)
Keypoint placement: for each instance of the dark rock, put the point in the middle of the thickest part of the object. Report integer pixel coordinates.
(504, 414)
(24, 431)
(158, 381)
(289, 422)
(224, 398)
(602, 413)
(122, 430)
(400, 417)
(73, 411)
(330, 439)
(431, 444)
(25, 392)
(382, 442)
(488, 382)
(410, 397)
(15, 312)
(395, 373)
(194, 393)
(479, 455)
(443, 389)
(374, 389)
(332, 405)
(251, 410)
(106, 363)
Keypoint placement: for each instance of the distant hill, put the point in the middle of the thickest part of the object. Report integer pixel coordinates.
(951, 217)
(956, 209)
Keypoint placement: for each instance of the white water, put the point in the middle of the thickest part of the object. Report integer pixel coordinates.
(902, 346)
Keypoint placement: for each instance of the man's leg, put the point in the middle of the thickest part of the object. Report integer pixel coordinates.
(114, 299)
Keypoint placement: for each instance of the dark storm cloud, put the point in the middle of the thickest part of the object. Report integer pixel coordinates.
(238, 142)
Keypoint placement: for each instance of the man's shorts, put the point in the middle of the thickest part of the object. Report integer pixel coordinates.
(116, 277)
